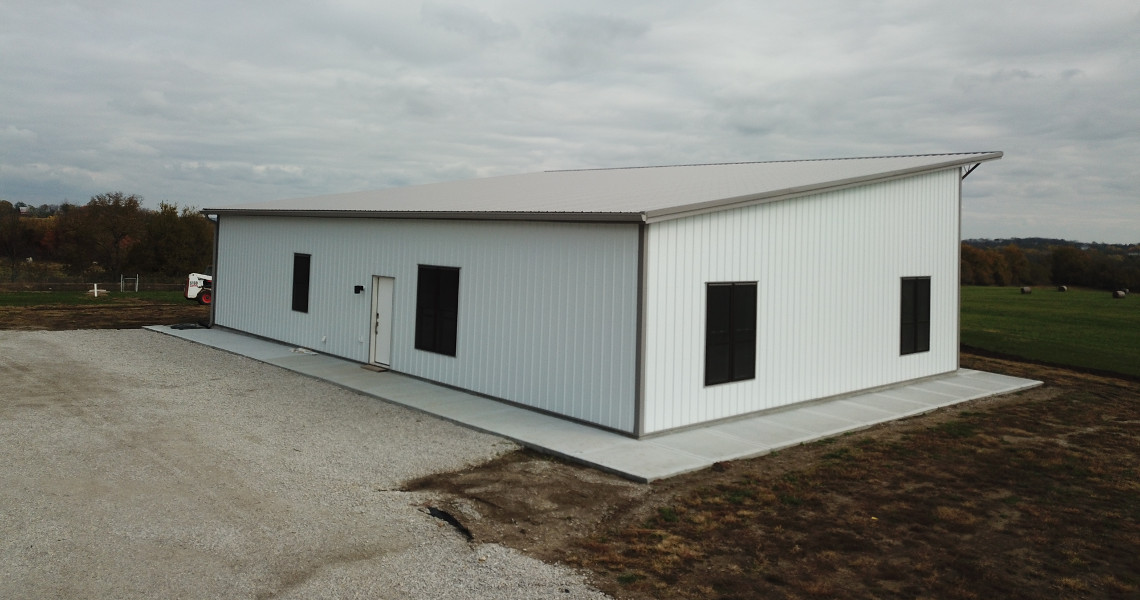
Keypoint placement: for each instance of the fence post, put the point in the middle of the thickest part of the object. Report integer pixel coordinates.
(123, 282)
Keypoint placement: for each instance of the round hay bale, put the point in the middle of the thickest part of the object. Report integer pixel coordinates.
(1062, 288)
(1119, 294)
(1026, 290)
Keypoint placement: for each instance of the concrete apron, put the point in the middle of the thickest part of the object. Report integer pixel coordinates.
(641, 460)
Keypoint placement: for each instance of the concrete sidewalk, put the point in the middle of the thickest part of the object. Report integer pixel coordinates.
(640, 460)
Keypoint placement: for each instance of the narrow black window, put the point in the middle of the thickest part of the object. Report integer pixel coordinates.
(915, 330)
(730, 332)
(301, 282)
(437, 309)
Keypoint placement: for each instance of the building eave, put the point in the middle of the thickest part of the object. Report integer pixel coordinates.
(561, 217)
(678, 212)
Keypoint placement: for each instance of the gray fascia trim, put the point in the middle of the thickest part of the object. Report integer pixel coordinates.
(958, 286)
(561, 217)
(214, 271)
(690, 210)
(639, 342)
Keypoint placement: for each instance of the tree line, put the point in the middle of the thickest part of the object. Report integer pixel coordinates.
(111, 235)
(1042, 261)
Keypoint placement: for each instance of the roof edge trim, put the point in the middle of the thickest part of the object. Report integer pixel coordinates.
(678, 212)
(773, 162)
(581, 217)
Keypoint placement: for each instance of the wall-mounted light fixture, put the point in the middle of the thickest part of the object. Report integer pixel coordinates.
(357, 289)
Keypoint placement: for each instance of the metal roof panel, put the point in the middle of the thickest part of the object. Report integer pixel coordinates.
(622, 194)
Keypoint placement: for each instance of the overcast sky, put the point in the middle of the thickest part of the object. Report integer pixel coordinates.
(214, 103)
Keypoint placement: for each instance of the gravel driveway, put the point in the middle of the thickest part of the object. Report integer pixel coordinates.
(138, 465)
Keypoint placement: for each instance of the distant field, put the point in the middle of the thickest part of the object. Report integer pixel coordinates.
(1082, 328)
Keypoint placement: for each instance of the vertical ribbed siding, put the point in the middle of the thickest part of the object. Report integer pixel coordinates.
(547, 311)
(828, 268)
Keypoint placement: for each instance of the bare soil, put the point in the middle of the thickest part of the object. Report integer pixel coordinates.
(121, 312)
(1030, 495)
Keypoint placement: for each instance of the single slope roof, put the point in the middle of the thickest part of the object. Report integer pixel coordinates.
(643, 194)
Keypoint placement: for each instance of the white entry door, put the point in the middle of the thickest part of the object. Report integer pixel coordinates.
(382, 289)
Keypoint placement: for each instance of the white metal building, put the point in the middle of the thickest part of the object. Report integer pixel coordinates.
(638, 300)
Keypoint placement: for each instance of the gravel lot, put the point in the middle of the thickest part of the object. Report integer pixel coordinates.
(139, 465)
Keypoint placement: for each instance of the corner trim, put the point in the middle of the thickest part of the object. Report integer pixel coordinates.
(214, 284)
(639, 352)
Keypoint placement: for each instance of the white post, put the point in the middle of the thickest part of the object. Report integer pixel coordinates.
(96, 290)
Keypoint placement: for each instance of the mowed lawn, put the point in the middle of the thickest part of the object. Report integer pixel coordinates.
(1082, 328)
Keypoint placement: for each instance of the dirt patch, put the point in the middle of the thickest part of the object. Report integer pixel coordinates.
(532, 501)
(1021, 496)
(118, 313)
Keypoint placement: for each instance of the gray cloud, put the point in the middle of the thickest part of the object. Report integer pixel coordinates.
(213, 103)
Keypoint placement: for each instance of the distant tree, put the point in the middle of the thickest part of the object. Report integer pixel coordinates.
(1070, 266)
(1018, 265)
(114, 223)
(966, 272)
(14, 237)
(985, 266)
(1033, 261)
(1131, 273)
(175, 243)
(975, 268)
(45, 210)
(1040, 265)
(40, 237)
(69, 241)
(1001, 270)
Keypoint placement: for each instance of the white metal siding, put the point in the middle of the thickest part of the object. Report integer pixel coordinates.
(828, 268)
(547, 311)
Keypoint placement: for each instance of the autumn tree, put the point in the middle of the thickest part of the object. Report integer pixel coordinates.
(114, 223)
(174, 243)
(1017, 265)
(984, 267)
(14, 237)
(1070, 266)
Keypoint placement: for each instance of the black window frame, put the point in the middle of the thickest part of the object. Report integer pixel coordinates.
(302, 271)
(914, 319)
(437, 309)
(730, 331)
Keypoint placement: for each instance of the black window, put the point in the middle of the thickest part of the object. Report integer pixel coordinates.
(301, 282)
(915, 330)
(730, 332)
(437, 309)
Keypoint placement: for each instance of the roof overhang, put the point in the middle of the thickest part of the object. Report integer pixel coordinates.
(794, 192)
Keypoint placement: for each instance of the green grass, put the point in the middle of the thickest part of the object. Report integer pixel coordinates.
(1082, 328)
(72, 298)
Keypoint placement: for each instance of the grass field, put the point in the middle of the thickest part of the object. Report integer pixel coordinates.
(1081, 328)
(74, 298)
